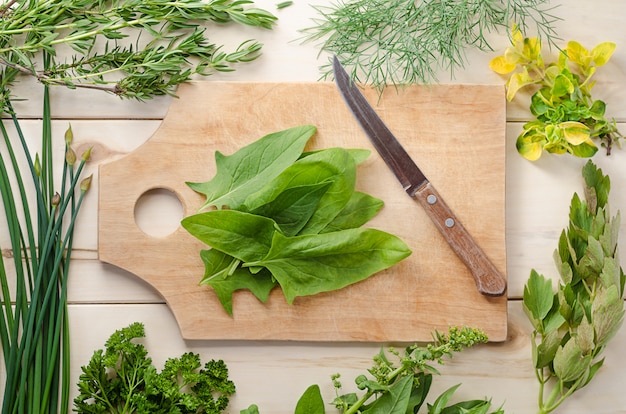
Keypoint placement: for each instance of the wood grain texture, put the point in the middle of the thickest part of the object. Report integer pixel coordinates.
(489, 280)
(274, 374)
(434, 124)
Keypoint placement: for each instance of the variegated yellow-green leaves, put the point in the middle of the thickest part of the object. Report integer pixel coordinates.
(573, 325)
(567, 118)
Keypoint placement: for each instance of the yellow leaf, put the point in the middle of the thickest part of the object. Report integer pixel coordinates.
(516, 35)
(532, 48)
(517, 82)
(602, 53)
(529, 150)
(575, 132)
(578, 54)
(501, 65)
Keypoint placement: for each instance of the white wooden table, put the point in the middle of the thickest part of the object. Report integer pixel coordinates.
(274, 374)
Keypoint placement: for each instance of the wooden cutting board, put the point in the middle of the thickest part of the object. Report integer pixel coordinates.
(455, 133)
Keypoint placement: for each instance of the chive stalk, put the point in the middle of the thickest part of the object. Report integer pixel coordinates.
(34, 323)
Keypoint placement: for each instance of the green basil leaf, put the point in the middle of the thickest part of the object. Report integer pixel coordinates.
(360, 209)
(252, 166)
(610, 275)
(224, 275)
(309, 264)
(585, 336)
(441, 401)
(468, 407)
(419, 392)
(396, 400)
(597, 110)
(311, 402)
(253, 409)
(245, 236)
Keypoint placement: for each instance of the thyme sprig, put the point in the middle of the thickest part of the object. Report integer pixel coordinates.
(132, 48)
(404, 42)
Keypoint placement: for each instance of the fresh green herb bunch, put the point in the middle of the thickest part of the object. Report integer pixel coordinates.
(401, 386)
(568, 119)
(40, 218)
(132, 48)
(573, 325)
(402, 42)
(121, 379)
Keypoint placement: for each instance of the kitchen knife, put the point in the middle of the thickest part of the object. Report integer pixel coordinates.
(489, 280)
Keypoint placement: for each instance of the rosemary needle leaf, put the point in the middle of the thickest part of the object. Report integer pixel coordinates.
(133, 48)
(403, 42)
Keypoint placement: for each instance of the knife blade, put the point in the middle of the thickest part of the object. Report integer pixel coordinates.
(489, 280)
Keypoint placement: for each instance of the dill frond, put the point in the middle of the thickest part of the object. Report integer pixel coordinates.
(403, 42)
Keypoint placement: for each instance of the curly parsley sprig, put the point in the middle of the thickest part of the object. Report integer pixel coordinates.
(121, 379)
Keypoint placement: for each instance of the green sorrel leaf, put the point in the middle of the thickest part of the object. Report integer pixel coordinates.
(245, 236)
(334, 166)
(252, 166)
(225, 275)
(360, 209)
(310, 264)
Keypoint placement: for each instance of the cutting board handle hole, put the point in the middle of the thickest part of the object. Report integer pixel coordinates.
(158, 212)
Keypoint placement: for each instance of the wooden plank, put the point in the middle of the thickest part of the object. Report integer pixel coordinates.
(435, 125)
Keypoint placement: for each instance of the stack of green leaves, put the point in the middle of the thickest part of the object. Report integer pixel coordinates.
(290, 218)
(122, 379)
(573, 325)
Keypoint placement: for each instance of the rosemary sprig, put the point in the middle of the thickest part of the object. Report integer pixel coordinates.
(132, 48)
(403, 42)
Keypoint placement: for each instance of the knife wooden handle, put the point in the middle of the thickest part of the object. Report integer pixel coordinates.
(488, 278)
